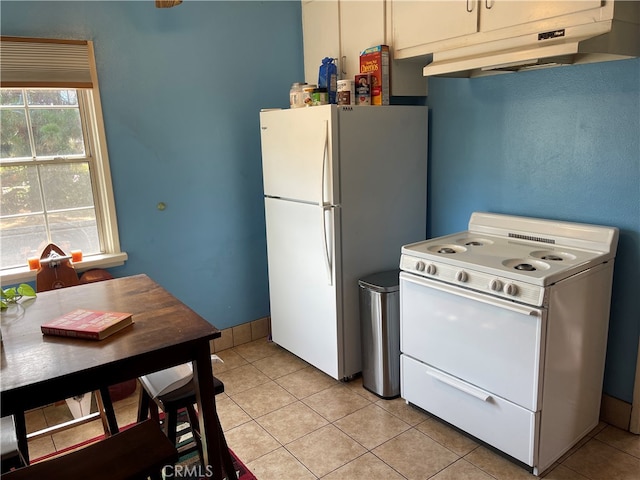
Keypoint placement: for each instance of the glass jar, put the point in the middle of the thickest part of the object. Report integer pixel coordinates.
(307, 90)
(320, 96)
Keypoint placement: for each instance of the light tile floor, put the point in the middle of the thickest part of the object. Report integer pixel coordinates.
(287, 420)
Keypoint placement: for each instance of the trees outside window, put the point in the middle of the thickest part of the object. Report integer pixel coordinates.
(47, 174)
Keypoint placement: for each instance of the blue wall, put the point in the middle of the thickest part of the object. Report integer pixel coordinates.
(181, 90)
(563, 144)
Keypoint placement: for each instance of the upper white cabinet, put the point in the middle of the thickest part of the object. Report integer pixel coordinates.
(361, 26)
(321, 35)
(415, 23)
(342, 29)
(339, 29)
(422, 27)
(496, 14)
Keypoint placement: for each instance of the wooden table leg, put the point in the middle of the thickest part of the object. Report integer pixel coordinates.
(21, 434)
(105, 405)
(214, 446)
(227, 461)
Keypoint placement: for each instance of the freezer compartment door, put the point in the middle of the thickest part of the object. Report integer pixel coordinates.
(297, 154)
(303, 285)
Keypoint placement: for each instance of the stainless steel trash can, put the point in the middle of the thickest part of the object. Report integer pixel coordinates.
(380, 330)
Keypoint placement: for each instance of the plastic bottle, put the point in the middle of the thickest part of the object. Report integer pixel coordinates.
(295, 95)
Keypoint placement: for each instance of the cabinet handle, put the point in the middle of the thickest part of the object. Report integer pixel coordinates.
(344, 62)
(470, 5)
(488, 4)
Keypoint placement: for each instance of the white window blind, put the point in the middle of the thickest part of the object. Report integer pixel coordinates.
(36, 62)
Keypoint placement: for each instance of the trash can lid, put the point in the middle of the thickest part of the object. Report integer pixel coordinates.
(382, 281)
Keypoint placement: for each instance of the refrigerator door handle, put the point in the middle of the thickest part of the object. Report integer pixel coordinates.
(325, 157)
(324, 207)
(325, 254)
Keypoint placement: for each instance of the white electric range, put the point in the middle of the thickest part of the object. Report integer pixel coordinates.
(504, 331)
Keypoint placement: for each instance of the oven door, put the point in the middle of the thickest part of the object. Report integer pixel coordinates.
(488, 343)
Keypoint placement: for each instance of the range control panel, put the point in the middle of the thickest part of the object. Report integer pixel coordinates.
(495, 285)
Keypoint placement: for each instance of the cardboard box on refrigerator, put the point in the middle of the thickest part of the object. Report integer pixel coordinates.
(375, 61)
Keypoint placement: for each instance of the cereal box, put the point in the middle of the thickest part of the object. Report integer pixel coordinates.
(363, 89)
(375, 61)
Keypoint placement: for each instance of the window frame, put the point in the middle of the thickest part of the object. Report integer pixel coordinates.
(93, 128)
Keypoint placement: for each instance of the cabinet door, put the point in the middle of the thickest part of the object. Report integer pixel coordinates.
(321, 35)
(342, 29)
(361, 27)
(496, 14)
(418, 22)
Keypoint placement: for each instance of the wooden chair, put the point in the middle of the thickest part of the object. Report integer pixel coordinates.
(171, 403)
(11, 455)
(138, 452)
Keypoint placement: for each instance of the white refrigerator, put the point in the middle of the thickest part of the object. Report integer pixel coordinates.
(345, 187)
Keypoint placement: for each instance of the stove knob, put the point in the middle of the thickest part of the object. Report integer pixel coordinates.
(511, 289)
(431, 269)
(462, 276)
(420, 266)
(495, 285)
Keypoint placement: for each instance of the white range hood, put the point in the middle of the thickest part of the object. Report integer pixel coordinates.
(594, 41)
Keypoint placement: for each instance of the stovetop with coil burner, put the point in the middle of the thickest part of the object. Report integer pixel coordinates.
(509, 256)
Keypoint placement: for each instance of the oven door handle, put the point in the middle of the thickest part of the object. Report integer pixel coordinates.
(497, 302)
(460, 385)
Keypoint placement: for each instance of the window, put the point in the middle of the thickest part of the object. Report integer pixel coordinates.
(54, 175)
(45, 173)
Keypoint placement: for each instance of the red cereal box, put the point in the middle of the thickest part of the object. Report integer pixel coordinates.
(375, 61)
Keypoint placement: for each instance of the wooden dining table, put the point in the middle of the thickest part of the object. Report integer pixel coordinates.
(37, 370)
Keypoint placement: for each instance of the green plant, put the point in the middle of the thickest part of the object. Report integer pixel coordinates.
(13, 294)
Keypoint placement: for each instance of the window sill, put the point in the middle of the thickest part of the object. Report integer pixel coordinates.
(23, 274)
